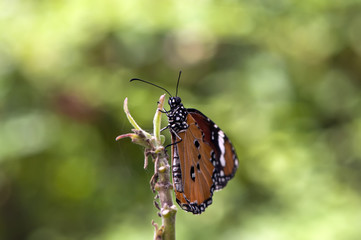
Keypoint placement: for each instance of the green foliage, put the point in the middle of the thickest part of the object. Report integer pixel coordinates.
(281, 78)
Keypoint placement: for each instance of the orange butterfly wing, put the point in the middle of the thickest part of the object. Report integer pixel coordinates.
(226, 158)
(200, 165)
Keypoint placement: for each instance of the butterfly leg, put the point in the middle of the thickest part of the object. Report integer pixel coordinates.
(164, 111)
(164, 128)
(180, 139)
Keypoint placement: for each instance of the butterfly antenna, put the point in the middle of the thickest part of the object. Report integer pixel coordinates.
(137, 79)
(176, 93)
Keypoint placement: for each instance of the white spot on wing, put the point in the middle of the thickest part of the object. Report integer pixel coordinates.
(221, 147)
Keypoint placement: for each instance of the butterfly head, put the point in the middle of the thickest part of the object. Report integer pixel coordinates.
(174, 102)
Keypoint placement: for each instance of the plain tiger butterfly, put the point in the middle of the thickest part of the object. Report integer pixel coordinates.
(203, 158)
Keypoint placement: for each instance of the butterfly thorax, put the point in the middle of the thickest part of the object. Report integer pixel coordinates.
(177, 115)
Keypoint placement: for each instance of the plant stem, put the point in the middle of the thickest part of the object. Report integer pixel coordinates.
(163, 185)
(160, 181)
(165, 188)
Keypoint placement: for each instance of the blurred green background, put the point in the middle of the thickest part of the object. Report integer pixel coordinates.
(281, 78)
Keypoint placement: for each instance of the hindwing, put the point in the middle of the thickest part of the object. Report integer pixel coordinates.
(225, 160)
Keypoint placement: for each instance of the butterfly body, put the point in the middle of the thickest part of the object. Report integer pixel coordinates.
(203, 158)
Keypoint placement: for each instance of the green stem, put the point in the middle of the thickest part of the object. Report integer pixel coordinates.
(163, 186)
(165, 189)
(157, 119)
(160, 181)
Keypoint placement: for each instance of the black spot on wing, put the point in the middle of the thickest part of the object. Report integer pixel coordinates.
(193, 176)
(196, 143)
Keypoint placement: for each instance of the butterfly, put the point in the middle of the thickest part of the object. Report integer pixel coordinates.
(203, 158)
